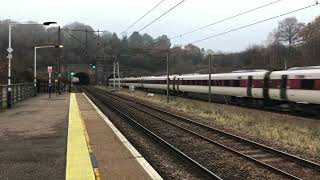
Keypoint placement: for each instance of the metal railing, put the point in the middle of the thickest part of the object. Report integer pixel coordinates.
(20, 92)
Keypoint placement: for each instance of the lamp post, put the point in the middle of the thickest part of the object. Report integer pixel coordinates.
(168, 79)
(10, 50)
(35, 65)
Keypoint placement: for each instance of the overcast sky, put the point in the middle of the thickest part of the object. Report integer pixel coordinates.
(117, 15)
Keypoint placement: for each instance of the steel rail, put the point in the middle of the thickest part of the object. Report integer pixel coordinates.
(285, 155)
(277, 170)
(158, 138)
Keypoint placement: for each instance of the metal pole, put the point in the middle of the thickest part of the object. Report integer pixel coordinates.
(59, 54)
(209, 95)
(86, 42)
(49, 85)
(9, 102)
(168, 77)
(118, 75)
(285, 64)
(114, 75)
(35, 72)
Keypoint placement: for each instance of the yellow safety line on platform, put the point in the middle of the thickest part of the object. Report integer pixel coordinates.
(95, 169)
(78, 159)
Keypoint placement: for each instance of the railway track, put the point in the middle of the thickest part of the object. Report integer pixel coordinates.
(206, 172)
(282, 163)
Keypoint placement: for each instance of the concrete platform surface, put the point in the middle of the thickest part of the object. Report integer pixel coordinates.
(33, 139)
(114, 159)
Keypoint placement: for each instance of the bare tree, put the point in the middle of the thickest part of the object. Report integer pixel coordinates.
(311, 39)
(289, 32)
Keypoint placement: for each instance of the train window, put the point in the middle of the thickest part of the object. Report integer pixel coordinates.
(243, 83)
(317, 84)
(212, 83)
(218, 83)
(226, 82)
(236, 83)
(275, 83)
(307, 84)
(205, 83)
(294, 83)
(257, 83)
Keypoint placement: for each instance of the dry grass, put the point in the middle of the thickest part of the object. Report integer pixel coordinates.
(291, 132)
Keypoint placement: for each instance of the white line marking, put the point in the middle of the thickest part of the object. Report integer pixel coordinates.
(144, 164)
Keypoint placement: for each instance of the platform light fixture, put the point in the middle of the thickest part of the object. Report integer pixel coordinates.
(35, 64)
(10, 56)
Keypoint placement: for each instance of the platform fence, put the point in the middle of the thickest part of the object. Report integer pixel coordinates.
(19, 92)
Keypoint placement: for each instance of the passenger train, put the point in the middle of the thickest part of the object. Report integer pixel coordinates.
(298, 88)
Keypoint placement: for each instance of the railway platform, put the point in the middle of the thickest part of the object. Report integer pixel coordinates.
(33, 138)
(65, 137)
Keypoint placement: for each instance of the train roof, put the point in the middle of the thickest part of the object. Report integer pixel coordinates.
(302, 73)
(304, 68)
(253, 70)
(237, 75)
(157, 77)
(127, 78)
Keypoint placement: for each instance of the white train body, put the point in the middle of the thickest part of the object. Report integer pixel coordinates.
(227, 84)
(75, 80)
(299, 85)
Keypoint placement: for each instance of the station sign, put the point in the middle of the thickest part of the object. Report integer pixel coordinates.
(9, 56)
(49, 69)
(10, 50)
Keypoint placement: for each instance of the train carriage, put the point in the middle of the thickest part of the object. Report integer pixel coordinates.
(153, 82)
(300, 85)
(238, 83)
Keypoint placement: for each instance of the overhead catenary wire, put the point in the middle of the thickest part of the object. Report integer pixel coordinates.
(162, 15)
(255, 23)
(144, 15)
(226, 19)
(149, 24)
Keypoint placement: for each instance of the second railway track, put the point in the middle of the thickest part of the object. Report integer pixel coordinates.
(279, 162)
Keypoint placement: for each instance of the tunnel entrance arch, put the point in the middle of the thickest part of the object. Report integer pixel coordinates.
(84, 78)
(84, 70)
